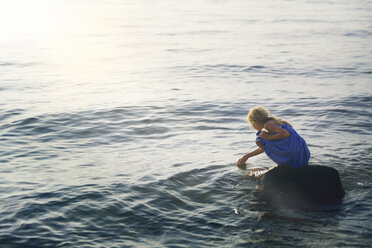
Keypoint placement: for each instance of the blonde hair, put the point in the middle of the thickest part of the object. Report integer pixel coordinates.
(261, 115)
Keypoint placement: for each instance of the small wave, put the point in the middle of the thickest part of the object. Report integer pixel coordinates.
(150, 130)
(359, 33)
(9, 114)
(257, 70)
(17, 64)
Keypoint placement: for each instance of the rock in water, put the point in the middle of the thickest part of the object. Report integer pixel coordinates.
(317, 184)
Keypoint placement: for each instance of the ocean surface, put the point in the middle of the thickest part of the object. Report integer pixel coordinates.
(121, 121)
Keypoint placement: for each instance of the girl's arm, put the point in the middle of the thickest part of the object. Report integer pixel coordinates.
(253, 153)
(273, 127)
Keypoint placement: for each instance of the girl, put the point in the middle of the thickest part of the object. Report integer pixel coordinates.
(277, 139)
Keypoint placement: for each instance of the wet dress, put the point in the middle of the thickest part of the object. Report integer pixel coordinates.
(291, 151)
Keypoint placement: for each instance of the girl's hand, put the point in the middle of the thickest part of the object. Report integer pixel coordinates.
(241, 162)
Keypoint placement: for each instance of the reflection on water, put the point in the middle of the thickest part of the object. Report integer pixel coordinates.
(121, 121)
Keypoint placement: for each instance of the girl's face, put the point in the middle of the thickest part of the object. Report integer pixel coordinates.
(257, 126)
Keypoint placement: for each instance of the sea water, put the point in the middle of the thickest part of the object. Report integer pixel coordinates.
(121, 121)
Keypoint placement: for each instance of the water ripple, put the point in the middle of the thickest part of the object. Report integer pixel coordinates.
(282, 72)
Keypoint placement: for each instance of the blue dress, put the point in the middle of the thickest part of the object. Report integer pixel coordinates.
(291, 151)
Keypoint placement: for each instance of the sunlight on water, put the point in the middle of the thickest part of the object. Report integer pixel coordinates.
(22, 19)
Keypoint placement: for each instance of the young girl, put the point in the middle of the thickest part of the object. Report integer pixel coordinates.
(277, 139)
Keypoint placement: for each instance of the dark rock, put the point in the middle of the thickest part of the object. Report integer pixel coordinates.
(317, 184)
